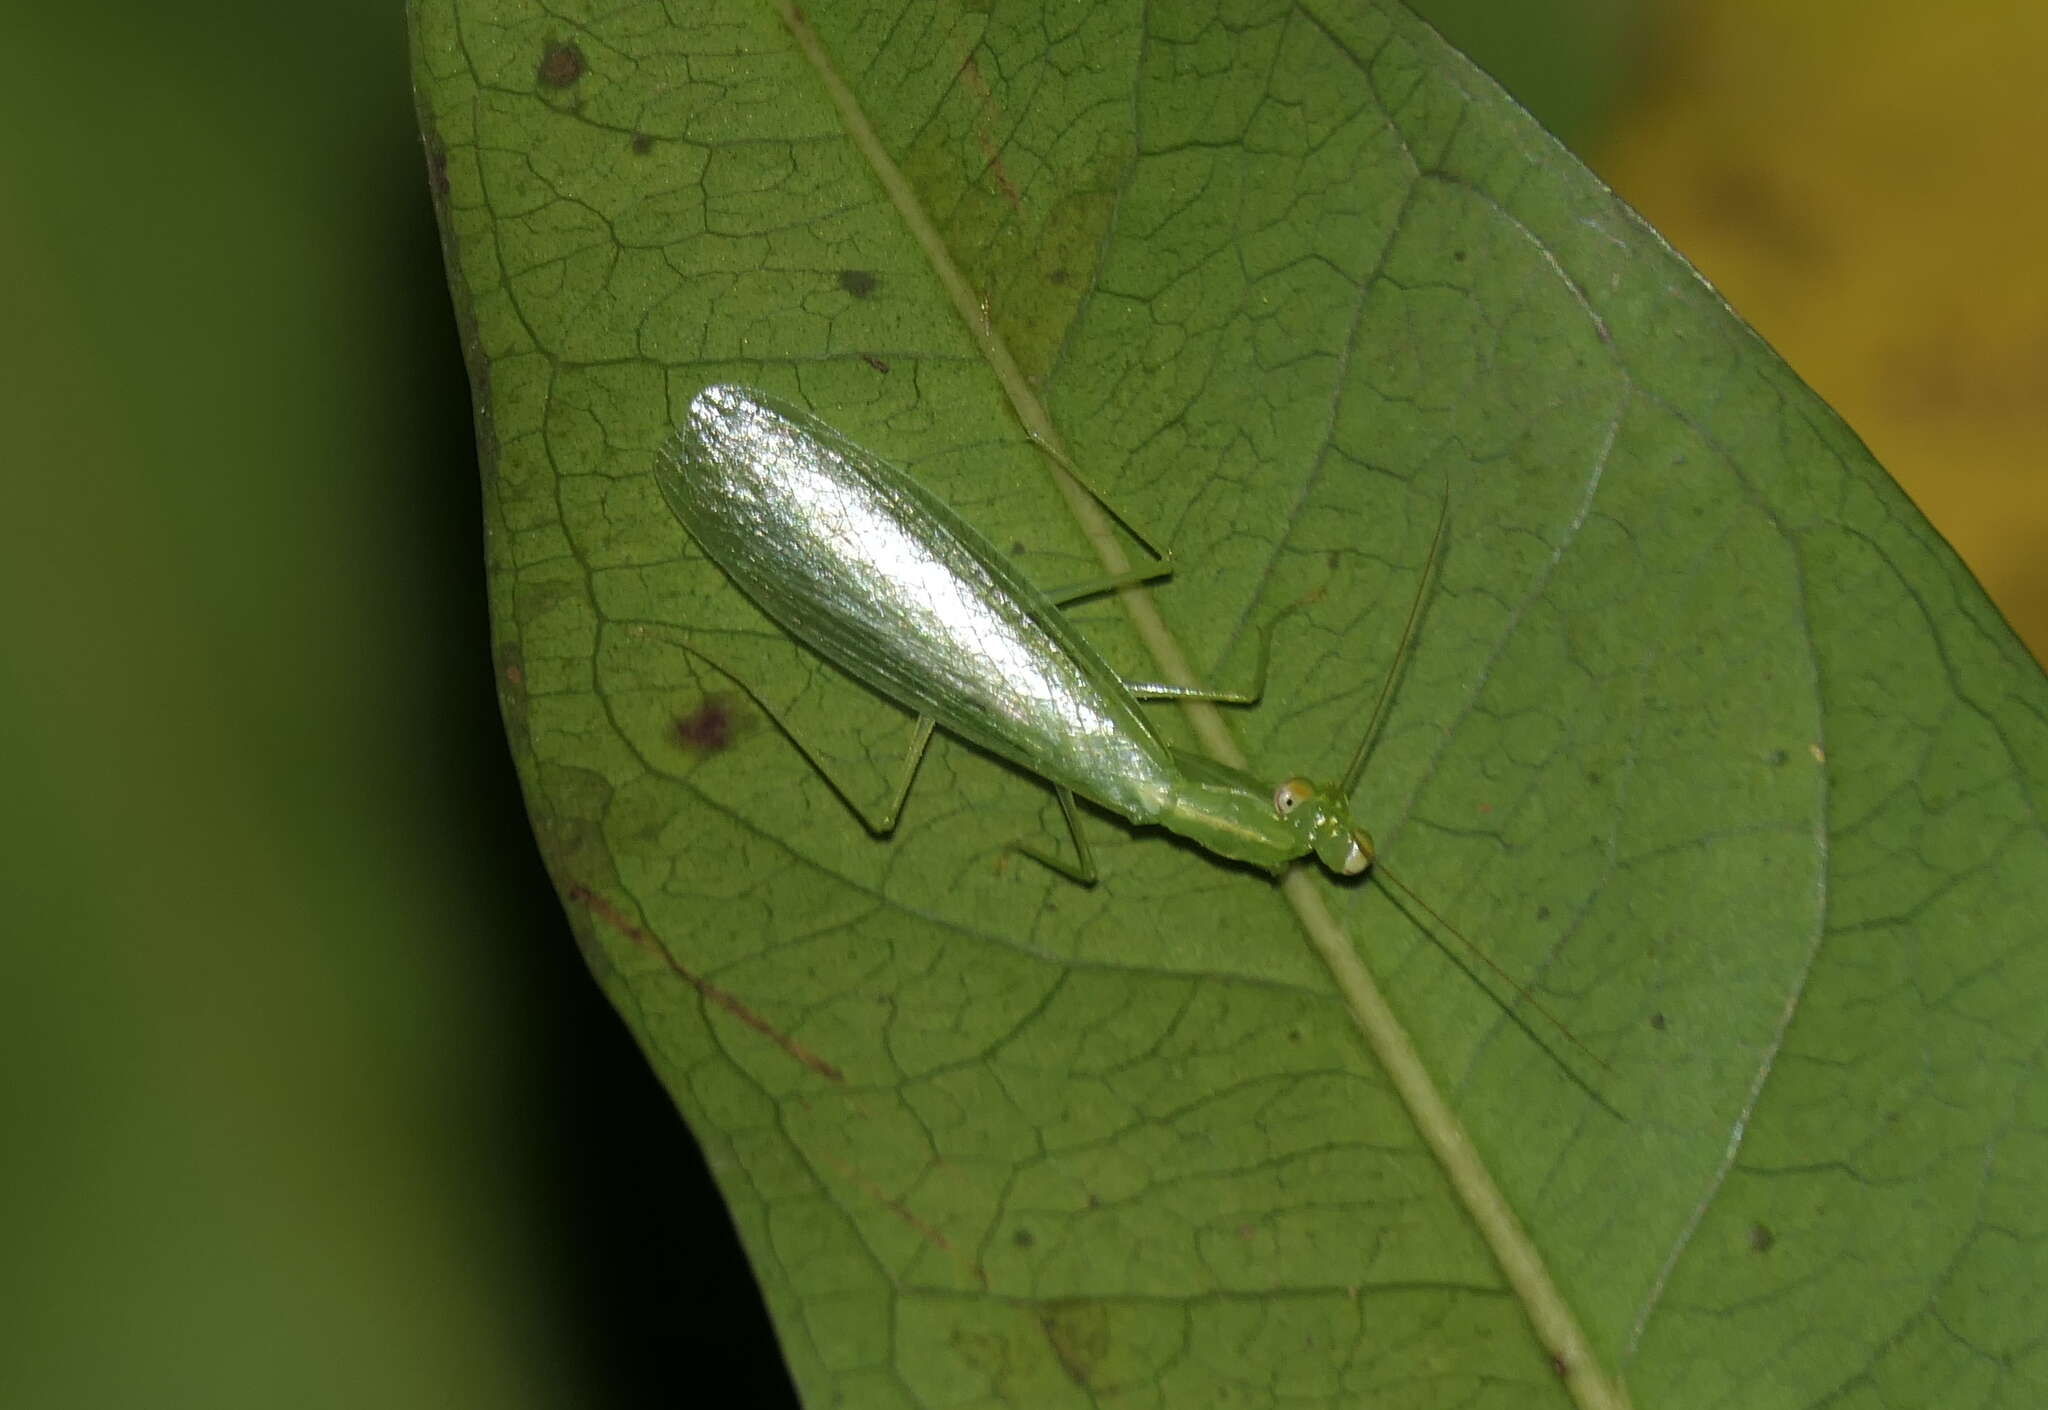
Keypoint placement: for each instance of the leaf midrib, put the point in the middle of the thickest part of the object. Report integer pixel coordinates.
(1521, 1264)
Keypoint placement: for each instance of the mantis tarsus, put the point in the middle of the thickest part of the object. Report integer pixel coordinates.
(859, 562)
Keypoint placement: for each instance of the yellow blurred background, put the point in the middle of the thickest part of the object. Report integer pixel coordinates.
(306, 1098)
(1863, 182)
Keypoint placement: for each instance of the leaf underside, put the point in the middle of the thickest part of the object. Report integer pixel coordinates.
(1705, 733)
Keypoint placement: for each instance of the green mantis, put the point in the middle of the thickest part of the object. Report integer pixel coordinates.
(857, 561)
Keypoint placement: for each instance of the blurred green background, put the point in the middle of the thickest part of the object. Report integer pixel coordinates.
(307, 1097)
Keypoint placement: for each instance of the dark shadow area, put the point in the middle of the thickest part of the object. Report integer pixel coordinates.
(648, 1259)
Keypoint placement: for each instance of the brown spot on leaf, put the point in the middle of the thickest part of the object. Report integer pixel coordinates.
(1077, 1329)
(929, 1232)
(985, 131)
(560, 66)
(617, 920)
(511, 667)
(861, 283)
(711, 728)
(643, 143)
(1761, 1238)
(875, 362)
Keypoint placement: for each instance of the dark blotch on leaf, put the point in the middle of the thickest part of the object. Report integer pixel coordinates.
(1657, 1022)
(1543, 913)
(1761, 1238)
(860, 283)
(1077, 1330)
(1024, 1238)
(875, 362)
(1059, 278)
(710, 728)
(560, 66)
(643, 143)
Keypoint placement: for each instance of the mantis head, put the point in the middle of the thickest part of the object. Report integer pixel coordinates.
(1321, 818)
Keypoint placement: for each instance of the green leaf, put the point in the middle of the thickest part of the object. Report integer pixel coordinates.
(1705, 734)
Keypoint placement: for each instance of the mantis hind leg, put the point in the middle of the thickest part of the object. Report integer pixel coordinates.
(920, 736)
(1083, 871)
(880, 824)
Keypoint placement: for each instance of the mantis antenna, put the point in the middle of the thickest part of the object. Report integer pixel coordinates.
(1356, 768)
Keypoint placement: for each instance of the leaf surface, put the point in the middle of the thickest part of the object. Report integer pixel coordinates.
(1705, 734)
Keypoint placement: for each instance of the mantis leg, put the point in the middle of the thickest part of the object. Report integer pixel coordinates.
(1110, 582)
(920, 736)
(1161, 690)
(1059, 458)
(882, 824)
(1084, 871)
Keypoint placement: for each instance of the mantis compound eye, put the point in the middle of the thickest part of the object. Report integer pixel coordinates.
(1291, 795)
